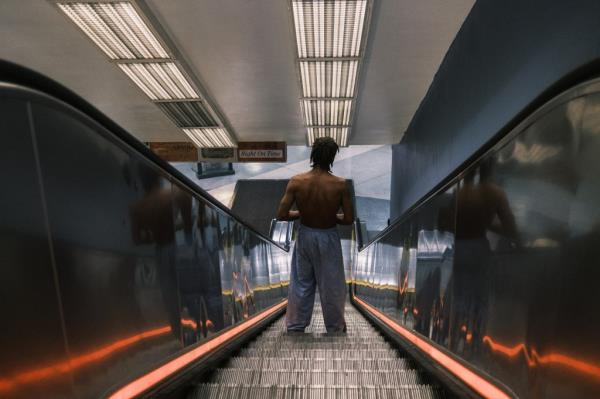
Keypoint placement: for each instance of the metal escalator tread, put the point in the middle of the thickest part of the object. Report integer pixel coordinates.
(358, 365)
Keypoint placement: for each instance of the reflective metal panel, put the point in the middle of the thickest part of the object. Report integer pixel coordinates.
(501, 267)
(31, 337)
(112, 227)
(115, 265)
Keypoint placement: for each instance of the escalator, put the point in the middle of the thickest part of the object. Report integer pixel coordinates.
(145, 286)
(124, 279)
(359, 364)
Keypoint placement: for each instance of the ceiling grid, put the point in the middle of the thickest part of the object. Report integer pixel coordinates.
(330, 40)
(120, 30)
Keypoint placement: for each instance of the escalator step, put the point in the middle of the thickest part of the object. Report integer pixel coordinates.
(282, 363)
(316, 338)
(322, 345)
(324, 353)
(226, 391)
(360, 364)
(358, 378)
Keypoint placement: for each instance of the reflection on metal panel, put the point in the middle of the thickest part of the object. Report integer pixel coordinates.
(505, 274)
(131, 267)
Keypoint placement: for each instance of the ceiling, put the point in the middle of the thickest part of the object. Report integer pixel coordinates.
(243, 53)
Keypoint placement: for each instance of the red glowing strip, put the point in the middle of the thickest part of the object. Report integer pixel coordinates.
(76, 362)
(535, 358)
(478, 383)
(149, 380)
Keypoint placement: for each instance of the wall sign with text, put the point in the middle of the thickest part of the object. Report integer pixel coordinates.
(218, 154)
(262, 151)
(175, 151)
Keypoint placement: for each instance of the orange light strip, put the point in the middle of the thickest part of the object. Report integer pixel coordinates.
(479, 384)
(149, 380)
(67, 366)
(189, 323)
(534, 359)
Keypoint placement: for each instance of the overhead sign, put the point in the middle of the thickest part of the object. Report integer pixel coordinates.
(262, 151)
(175, 152)
(218, 154)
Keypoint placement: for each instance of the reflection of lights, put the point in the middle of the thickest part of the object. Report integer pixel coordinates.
(149, 380)
(469, 337)
(73, 363)
(463, 328)
(433, 243)
(533, 358)
(543, 243)
(189, 323)
(412, 268)
(404, 285)
(536, 153)
(475, 381)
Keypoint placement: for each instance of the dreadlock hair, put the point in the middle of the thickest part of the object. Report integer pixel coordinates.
(323, 152)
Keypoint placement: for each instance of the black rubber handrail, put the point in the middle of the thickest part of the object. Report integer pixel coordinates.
(12, 73)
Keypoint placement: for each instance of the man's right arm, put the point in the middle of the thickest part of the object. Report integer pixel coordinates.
(348, 216)
(284, 212)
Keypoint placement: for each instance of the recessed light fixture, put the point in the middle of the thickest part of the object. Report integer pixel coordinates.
(209, 137)
(339, 134)
(160, 81)
(116, 28)
(329, 28)
(328, 78)
(327, 112)
(330, 45)
(188, 113)
(122, 32)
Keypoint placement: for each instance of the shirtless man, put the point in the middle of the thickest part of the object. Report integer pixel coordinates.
(317, 257)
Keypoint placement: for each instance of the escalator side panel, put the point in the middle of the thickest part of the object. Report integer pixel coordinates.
(32, 333)
(499, 268)
(145, 267)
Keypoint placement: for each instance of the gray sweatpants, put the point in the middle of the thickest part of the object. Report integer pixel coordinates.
(317, 261)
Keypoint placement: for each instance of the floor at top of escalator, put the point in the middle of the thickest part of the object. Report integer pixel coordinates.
(356, 365)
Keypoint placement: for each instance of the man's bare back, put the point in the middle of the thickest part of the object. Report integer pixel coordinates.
(318, 195)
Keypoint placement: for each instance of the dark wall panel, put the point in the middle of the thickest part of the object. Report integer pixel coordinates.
(505, 55)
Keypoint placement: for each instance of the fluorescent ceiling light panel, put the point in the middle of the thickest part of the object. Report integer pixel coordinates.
(209, 137)
(188, 113)
(329, 28)
(160, 80)
(339, 134)
(117, 28)
(328, 78)
(327, 112)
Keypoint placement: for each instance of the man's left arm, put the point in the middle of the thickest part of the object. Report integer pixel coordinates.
(347, 217)
(284, 212)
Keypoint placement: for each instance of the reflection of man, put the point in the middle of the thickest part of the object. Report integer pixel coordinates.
(480, 207)
(317, 258)
(207, 254)
(152, 222)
